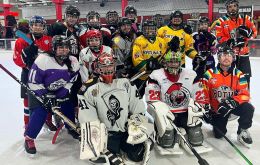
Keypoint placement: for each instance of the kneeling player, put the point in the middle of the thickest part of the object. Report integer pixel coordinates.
(115, 105)
(174, 86)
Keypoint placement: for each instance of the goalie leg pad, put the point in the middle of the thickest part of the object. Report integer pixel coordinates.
(195, 112)
(195, 135)
(93, 139)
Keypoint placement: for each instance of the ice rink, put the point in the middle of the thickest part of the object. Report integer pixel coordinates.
(66, 149)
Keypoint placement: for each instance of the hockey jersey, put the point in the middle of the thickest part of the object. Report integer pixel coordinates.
(121, 47)
(47, 76)
(112, 103)
(87, 60)
(143, 50)
(220, 85)
(226, 29)
(43, 43)
(186, 40)
(59, 28)
(175, 93)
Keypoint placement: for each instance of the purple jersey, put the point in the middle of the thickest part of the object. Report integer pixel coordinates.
(47, 76)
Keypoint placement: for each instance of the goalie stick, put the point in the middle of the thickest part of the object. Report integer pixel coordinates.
(55, 110)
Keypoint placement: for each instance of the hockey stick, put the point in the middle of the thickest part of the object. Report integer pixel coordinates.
(229, 141)
(201, 161)
(56, 134)
(56, 111)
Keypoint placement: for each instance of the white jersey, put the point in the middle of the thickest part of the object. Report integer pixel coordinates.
(86, 59)
(112, 103)
(175, 94)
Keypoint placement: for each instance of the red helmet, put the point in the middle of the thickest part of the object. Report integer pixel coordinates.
(105, 67)
(93, 36)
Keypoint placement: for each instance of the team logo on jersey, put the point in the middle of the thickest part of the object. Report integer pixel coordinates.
(57, 85)
(177, 95)
(46, 42)
(222, 93)
(113, 113)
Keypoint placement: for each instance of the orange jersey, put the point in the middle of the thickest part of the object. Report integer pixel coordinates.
(226, 29)
(220, 85)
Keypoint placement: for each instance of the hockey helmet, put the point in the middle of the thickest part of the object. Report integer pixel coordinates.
(60, 47)
(105, 67)
(94, 40)
(93, 19)
(38, 21)
(72, 10)
(112, 17)
(149, 29)
(232, 12)
(172, 62)
(176, 18)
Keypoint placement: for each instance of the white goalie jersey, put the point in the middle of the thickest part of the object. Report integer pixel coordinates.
(112, 104)
(87, 59)
(176, 94)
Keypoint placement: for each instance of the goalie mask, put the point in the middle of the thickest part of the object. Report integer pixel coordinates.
(72, 14)
(105, 67)
(172, 62)
(93, 20)
(37, 26)
(94, 40)
(60, 48)
(149, 29)
(112, 17)
(232, 7)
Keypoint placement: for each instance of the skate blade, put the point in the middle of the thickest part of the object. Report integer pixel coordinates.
(169, 151)
(245, 144)
(31, 156)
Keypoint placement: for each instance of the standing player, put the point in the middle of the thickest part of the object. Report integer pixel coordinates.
(112, 18)
(185, 40)
(131, 13)
(89, 54)
(205, 44)
(237, 30)
(175, 86)
(227, 93)
(51, 78)
(68, 28)
(116, 105)
(25, 54)
(147, 51)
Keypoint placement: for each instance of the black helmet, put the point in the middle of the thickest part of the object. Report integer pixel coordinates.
(59, 40)
(149, 29)
(176, 14)
(228, 2)
(112, 17)
(96, 16)
(224, 48)
(204, 20)
(72, 10)
(130, 10)
(124, 21)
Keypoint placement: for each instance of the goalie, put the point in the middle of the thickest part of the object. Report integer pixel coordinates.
(113, 105)
(169, 93)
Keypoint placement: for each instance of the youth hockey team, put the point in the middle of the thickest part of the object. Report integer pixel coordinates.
(126, 88)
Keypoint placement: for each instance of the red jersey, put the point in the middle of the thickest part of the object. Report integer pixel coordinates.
(44, 44)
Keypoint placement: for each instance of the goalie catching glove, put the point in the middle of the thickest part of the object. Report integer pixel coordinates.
(139, 129)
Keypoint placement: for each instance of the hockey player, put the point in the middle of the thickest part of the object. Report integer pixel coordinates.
(131, 13)
(147, 51)
(175, 28)
(93, 22)
(122, 44)
(112, 18)
(159, 20)
(25, 54)
(227, 93)
(70, 30)
(114, 105)
(175, 86)
(237, 30)
(51, 78)
(89, 54)
(205, 44)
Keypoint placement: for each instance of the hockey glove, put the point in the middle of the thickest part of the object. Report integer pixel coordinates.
(211, 38)
(226, 106)
(207, 117)
(49, 101)
(198, 62)
(238, 42)
(174, 44)
(245, 31)
(29, 54)
(152, 64)
(187, 29)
